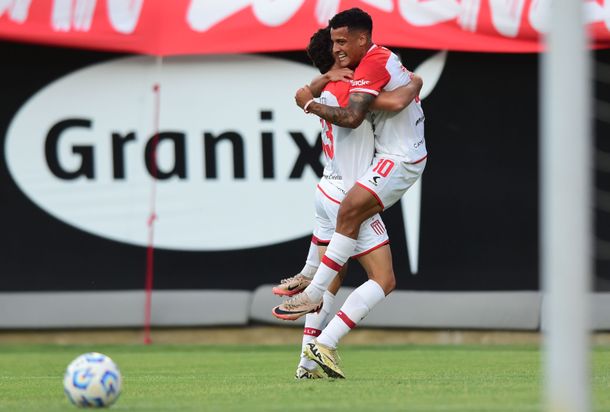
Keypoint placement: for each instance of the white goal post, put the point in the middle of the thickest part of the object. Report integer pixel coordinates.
(566, 209)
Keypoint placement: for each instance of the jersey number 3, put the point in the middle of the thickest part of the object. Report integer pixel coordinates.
(328, 141)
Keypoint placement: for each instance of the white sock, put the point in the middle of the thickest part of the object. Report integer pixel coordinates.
(338, 252)
(312, 262)
(357, 305)
(314, 323)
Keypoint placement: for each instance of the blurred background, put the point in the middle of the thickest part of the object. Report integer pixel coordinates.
(95, 94)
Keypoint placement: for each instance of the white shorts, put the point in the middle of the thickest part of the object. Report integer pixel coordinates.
(373, 233)
(389, 177)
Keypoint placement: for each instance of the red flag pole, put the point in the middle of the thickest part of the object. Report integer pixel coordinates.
(148, 284)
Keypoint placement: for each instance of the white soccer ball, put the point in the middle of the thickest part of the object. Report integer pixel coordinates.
(92, 380)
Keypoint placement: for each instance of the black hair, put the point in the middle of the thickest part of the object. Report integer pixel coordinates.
(353, 19)
(319, 50)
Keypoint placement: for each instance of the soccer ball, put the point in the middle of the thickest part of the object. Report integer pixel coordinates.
(92, 380)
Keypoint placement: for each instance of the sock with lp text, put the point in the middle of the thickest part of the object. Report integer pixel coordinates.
(314, 323)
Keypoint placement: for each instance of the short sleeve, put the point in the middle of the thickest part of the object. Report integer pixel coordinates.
(371, 75)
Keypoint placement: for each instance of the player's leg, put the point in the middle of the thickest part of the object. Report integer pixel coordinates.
(378, 265)
(297, 283)
(323, 350)
(328, 198)
(379, 268)
(384, 183)
(314, 324)
(326, 215)
(340, 248)
(364, 200)
(357, 206)
(373, 252)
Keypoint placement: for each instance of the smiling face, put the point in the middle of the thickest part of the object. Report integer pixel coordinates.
(349, 47)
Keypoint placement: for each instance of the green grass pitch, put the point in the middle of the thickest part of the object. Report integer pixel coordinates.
(250, 378)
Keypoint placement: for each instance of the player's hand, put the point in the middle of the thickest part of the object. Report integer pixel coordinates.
(343, 74)
(303, 96)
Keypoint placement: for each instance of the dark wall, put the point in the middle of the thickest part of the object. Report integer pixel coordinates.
(479, 228)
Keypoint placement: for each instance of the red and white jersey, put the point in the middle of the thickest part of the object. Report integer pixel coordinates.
(398, 134)
(348, 152)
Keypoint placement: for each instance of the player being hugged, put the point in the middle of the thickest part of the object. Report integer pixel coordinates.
(399, 161)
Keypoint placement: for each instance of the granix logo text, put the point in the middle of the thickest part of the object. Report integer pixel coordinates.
(236, 160)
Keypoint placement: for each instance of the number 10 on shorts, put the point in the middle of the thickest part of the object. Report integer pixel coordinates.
(383, 167)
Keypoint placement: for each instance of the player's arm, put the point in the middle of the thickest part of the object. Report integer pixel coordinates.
(318, 83)
(350, 116)
(398, 99)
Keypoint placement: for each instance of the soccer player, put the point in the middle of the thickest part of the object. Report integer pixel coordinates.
(330, 191)
(348, 153)
(399, 161)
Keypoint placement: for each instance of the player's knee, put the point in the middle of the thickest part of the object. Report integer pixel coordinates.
(387, 282)
(389, 286)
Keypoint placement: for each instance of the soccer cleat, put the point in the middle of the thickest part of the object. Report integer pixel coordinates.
(295, 307)
(327, 358)
(304, 373)
(292, 286)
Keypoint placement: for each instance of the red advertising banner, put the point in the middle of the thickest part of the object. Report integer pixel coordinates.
(171, 27)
